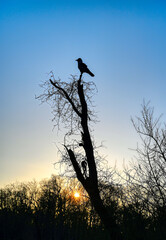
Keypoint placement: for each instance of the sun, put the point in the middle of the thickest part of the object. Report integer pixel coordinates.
(76, 195)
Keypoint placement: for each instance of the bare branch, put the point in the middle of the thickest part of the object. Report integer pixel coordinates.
(67, 97)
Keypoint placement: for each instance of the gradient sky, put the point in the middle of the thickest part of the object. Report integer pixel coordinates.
(122, 42)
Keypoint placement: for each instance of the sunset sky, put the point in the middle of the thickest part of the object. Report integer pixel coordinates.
(122, 42)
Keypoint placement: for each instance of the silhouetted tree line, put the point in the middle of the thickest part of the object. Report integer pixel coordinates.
(49, 211)
(46, 210)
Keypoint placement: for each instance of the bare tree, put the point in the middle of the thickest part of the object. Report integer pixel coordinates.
(147, 177)
(72, 105)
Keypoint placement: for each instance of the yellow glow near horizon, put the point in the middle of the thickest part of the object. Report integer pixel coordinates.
(76, 195)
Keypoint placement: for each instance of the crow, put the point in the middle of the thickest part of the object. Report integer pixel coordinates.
(83, 67)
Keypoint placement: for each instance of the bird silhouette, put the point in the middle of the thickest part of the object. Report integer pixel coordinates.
(83, 67)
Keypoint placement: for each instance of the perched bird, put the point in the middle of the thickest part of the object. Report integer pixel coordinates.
(83, 67)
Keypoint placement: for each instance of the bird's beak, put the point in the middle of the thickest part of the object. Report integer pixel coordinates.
(76, 59)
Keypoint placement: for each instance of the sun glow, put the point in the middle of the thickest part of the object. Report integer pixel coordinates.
(76, 195)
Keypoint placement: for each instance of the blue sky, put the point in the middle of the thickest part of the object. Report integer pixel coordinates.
(122, 42)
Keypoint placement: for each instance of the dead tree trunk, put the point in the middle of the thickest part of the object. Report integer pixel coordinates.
(90, 183)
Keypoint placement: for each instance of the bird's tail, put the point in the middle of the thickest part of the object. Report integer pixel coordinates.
(90, 73)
